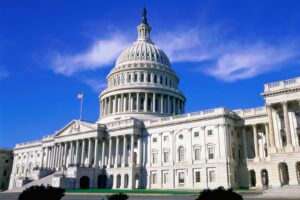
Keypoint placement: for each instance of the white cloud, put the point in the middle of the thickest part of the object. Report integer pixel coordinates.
(96, 85)
(234, 59)
(101, 54)
(246, 62)
(3, 72)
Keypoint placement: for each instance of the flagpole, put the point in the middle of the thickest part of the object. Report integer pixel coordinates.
(81, 100)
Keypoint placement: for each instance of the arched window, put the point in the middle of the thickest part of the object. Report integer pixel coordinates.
(142, 77)
(135, 78)
(148, 78)
(129, 78)
(155, 79)
(181, 154)
(160, 80)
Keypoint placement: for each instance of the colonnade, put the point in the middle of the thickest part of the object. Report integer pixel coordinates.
(287, 126)
(142, 102)
(117, 151)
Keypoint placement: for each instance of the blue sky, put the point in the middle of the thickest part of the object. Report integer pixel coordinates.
(223, 52)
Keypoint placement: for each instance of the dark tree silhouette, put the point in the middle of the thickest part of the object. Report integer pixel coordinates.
(219, 193)
(42, 193)
(119, 196)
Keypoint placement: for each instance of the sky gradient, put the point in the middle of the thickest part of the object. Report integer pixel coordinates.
(222, 51)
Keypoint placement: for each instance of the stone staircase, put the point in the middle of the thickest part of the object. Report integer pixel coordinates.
(292, 191)
(47, 180)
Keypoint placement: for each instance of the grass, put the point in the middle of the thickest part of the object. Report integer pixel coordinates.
(145, 191)
(139, 191)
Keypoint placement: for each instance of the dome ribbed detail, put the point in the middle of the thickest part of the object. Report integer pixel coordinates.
(143, 52)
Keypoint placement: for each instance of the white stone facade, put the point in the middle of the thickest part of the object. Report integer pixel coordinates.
(144, 139)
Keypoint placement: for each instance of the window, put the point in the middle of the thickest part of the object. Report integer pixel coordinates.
(180, 154)
(197, 177)
(211, 153)
(155, 79)
(142, 77)
(148, 78)
(196, 134)
(180, 136)
(166, 138)
(135, 78)
(233, 153)
(154, 139)
(209, 133)
(181, 177)
(154, 178)
(165, 178)
(197, 154)
(212, 177)
(240, 154)
(129, 78)
(154, 157)
(4, 173)
(166, 156)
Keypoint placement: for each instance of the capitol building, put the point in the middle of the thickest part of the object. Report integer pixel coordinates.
(144, 139)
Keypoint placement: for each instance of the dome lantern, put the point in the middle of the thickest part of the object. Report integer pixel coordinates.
(144, 29)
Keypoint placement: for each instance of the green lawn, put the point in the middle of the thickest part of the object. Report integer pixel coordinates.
(140, 191)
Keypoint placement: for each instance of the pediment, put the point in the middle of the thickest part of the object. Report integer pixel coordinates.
(76, 127)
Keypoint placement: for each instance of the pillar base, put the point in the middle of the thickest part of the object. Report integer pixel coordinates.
(272, 150)
(289, 148)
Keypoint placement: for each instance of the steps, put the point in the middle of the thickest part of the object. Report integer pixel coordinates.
(285, 191)
(47, 180)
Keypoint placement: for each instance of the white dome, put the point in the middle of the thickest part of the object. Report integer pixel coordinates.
(143, 52)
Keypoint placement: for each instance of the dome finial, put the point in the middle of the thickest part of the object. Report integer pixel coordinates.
(144, 16)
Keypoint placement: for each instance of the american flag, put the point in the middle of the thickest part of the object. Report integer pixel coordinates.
(80, 95)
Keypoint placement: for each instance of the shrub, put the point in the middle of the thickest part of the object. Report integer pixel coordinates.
(219, 193)
(119, 196)
(42, 193)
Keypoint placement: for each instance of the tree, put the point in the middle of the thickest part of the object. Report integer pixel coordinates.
(219, 193)
(119, 196)
(42, 193)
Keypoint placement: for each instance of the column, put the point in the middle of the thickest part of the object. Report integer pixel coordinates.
(117, 152)
(161, 104)
(154, 102)
(174, 102)
(103, 153)
(271, 129)
(83, 152)
(131, 149)
(245, 151)
(77, 153)
(140, 153)
(90, 152)
(59, 155)
(129, 102)
(115, 104)
(53, 156)
(146, 102)
(42, 163)
(110, 105)
(267, 138)
(47, 157)
(72, 152)
(109, 152)
(124, 151)
(65, 155)
(255, 142)
(287, 126)
(122, 103)
(96, 160)
(137, 101)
